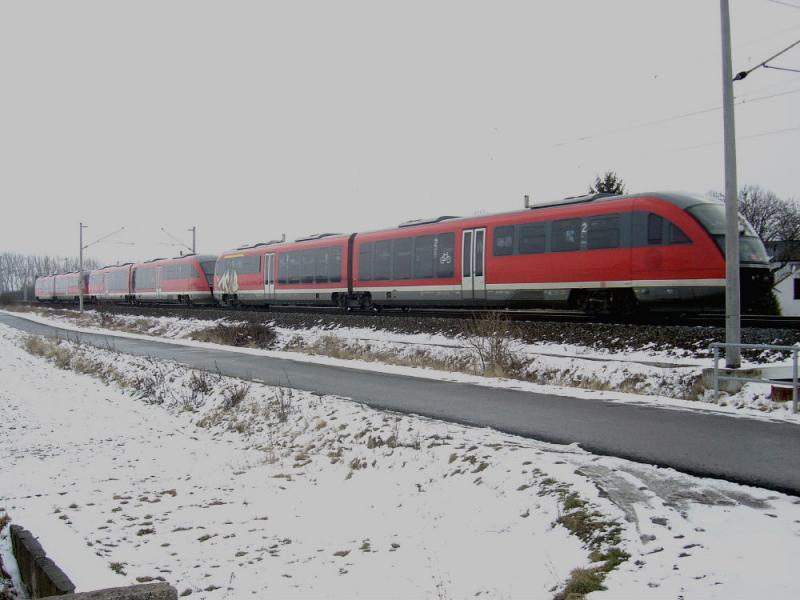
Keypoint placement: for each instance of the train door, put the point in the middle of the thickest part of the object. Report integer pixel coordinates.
(158, 273)
(473, 271)
(269, 276)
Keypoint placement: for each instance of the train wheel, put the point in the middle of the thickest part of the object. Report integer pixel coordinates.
(624, 302)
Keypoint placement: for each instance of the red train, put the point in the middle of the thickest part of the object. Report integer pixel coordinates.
(62, 287)
(184, 279)
(597, 253)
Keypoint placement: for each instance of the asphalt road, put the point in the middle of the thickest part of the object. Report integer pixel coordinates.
(749, 451)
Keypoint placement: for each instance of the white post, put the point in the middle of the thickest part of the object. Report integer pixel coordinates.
(733, 332)
(80, 273)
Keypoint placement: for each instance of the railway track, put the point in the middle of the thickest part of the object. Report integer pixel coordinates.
(522, 315)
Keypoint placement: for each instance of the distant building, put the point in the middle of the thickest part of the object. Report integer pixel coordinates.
(785, 258)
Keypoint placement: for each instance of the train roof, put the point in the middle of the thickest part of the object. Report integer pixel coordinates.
(190, 256)
(682, 200)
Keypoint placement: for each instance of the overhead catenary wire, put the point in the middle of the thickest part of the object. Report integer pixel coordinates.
(672, 118)
(739, 138)
(784, 3)
(782, 69)
(742, 74)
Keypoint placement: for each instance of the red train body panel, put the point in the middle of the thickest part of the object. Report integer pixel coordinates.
(310, 271)
(184, 279)
(44, 288)
(111, 284)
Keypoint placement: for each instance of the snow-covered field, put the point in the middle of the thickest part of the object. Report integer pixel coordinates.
(135, 469)
(667, 377)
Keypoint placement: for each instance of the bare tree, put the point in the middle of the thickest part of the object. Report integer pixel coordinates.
(774, 219)
(19, 271)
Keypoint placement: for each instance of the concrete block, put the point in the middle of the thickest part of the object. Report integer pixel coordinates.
(147, 591)
(727, 385)
(40, 575)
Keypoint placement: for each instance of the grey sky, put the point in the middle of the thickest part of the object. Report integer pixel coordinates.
(249, 119)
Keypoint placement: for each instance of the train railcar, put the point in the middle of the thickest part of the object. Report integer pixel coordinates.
(111, 284)
(44, 288)
(596, 253)
(310, 270)
(67, 287)
(184, 279)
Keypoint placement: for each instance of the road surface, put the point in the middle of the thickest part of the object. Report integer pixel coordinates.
(749, 451)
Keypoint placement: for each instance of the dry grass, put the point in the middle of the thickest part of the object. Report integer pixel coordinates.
(600, 535)
(336, 347)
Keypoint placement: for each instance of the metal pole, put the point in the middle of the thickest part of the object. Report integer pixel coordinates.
(80, 273)
(733, 355)
(194, 239)
(716, 374)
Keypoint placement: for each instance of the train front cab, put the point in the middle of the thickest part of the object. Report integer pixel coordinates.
(755, 276)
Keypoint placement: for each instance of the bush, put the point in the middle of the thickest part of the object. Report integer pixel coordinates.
(489, 337)
(234, 395)
(249, 334)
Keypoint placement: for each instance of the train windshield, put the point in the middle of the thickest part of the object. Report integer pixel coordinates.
(208, 269)
(712, 218)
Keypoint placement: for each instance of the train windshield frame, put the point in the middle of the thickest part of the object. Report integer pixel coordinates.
(208, 268)
(712, 218)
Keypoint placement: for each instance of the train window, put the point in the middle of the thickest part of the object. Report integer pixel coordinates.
(479, 244)
(423, 257)
(654, 229)
(283, 268)
(117, 281)
(365, 262)
(676, 235)
(335, 265)
(382, 265)
(504, 241)
(445, 259)
(295, 267)
(532, 238)
(467, 270)
(144, 278)
(250, 264)
(308, 266)
(320, 266)
(566, 235)
(401, 258)
(603, 232)
(796, 283)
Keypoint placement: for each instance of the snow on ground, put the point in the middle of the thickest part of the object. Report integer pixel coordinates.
(278, 493)
(669, 379)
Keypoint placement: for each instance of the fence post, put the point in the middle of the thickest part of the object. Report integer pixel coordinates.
(794, 380)
(716, 374)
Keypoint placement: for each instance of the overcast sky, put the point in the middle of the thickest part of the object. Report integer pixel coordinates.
(252, 119)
